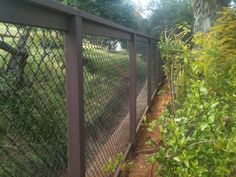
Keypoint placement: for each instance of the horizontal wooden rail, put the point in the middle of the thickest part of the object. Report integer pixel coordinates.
(74, 23)
(49, 14)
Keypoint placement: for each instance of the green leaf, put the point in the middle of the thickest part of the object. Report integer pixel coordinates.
(204, 126)
(212, 118)
(177, 158)
(231, 147)
(203, 90)
(186, 162)
(214, 104)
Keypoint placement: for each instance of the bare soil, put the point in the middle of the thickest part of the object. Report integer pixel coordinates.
(141, 168)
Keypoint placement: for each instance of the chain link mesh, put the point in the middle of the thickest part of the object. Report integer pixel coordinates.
(32, 102)
(106, 84)
(33, 138)
(141, 78)
(154, 68)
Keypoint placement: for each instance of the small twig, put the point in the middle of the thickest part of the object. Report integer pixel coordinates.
(151, 170)
(202, 142)
(145, 151)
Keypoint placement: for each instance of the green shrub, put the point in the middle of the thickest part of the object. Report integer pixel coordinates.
(199, 139)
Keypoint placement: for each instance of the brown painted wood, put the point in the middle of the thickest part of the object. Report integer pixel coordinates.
(75, 99)
(132, 93)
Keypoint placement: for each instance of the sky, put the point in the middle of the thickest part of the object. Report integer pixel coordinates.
(142, 4)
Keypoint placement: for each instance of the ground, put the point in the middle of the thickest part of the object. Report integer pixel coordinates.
(140, 167)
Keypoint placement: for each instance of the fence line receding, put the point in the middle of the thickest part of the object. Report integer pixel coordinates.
(73, 89)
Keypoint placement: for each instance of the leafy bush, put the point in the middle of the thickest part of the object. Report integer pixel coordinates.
(199, 138)
(118, 162)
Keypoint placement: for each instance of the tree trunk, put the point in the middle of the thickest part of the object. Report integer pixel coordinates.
(205, 13)
(17, 62)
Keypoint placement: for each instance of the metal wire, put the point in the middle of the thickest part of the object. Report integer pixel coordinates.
(154, 68)
(32, 102)
(106, 88)
(141, 78)
(33, 138)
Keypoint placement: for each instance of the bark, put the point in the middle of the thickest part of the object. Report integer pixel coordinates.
(206, 13)
(17, 62)
(13, 51)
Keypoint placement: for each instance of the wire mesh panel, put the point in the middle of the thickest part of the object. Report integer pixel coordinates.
(141, 78)
(154, 68)
(106, 89)
(32, 102)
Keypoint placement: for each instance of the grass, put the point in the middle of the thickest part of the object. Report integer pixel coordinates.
(33, 115)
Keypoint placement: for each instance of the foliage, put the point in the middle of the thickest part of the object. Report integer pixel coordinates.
(119, 161)
(199, 138)
(123, 12)
(216, 59)
(206, 12)
(174, 49)
(167, 13)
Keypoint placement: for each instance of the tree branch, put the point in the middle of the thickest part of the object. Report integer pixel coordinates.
(18, 52)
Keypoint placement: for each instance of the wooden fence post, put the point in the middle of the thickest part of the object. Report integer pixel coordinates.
(149, 73)
(159, 67)
(132, 93)
(75, 102)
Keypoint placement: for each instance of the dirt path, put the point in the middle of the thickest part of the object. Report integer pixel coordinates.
(140, 168)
